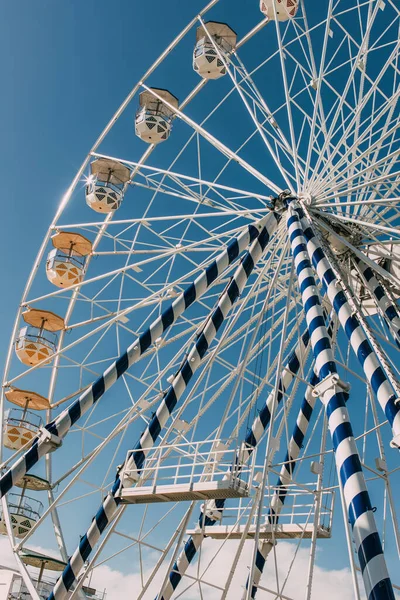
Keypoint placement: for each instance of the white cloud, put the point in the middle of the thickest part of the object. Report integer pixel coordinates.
(327, 583)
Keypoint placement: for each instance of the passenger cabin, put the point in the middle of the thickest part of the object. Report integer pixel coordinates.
(43, 586)
(24, 513)
(105, 186)
(42, 581)
(20, 424)
(285, 9)
(65, 265)
(20, 427)
(298, 518)
(206, 61)
(153, 121)
(38, 340)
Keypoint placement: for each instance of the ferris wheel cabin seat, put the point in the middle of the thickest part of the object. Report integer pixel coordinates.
(153, 121)
(38, 340)
(24, 512)
(22, 425)
(105, 187)
(206, 61)
(43, 586)
(285, 9)
(65, 265)
(34, 483)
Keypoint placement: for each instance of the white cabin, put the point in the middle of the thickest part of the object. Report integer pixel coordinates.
(153, 121)
(214, 44)
(285, 9)
(20, 427)
(38, 341)
(24, 513)
(105, 185)
(65, 265)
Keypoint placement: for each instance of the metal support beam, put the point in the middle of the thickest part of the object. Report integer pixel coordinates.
(134, 464)
(63, 423)
(376, 579)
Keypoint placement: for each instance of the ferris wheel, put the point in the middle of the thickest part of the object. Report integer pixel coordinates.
(202, 387)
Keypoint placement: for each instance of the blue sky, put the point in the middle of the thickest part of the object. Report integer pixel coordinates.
(67, 66)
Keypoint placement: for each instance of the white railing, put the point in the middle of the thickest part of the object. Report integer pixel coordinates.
(19, 591)
(193, 462)
(299, 508)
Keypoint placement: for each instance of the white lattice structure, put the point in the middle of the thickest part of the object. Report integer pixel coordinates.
(223, 356)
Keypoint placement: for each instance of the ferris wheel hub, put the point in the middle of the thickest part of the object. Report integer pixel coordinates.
(307, 198)
(280, 203)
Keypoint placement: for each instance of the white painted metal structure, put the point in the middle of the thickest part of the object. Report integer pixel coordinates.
(312, 109)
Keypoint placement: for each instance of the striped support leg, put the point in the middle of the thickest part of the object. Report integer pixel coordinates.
(353, 329)
(211, 513)
(263, 551)
(285, 477)
(109, 508)
(59, 428)
(386, 308)
(366, 538)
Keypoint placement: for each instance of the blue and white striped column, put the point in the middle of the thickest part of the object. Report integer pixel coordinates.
(286, 475)
(134, 464)
(366, 538)
(285, 478)
(376, 376)
(212, 511)
(386, 308)
(63, 423)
